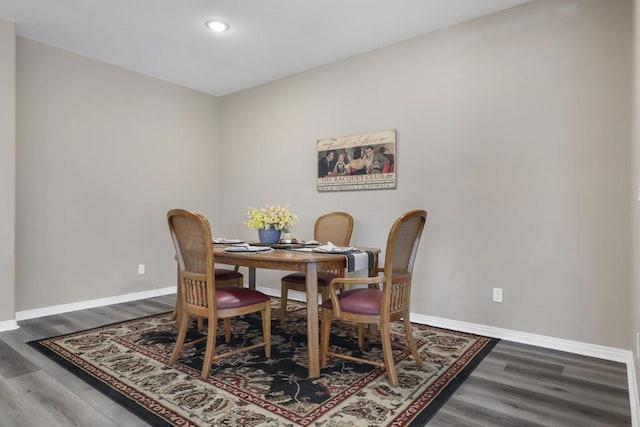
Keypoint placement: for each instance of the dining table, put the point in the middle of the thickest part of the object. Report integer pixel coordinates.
(308, 262)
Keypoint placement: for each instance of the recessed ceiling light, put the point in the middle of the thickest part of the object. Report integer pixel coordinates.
(217, 26)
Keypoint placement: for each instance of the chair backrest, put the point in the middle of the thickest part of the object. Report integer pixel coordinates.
(334, 227)
(402, 243)
(400, 256)
(191, 235)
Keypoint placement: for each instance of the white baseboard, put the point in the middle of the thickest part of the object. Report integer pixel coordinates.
(8, 325)
(576, 347)
(100, 302)
(633, 392)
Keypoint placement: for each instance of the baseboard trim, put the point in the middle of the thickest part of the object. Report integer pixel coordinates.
(8, 325)
(576, 347)
(592, 350)
(100, 302)
(633, 392)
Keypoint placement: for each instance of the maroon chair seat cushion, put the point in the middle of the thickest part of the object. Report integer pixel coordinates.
(231, 297)
(324, 277)
(226, 274)
(358, 301)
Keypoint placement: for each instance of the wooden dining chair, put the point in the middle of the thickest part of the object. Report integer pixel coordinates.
(224, 277)
(373, 305)
(227, 276)
(334, 227)
(199, 297)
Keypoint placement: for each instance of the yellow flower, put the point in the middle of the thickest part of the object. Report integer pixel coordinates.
(270, 217)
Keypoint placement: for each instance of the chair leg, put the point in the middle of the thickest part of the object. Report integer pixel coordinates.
(412, 345)
(174, 314)
(183, 324)
(324, 294)
(284, 291)
(389, 364)
(325, 326)
(227, 330)
(266, 330)
(212, 331)
(360, 336)
(200, 324)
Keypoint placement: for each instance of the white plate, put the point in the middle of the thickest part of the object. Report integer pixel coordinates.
(247, 248)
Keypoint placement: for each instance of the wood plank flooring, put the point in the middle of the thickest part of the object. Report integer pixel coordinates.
(515, 385)
(521, 385)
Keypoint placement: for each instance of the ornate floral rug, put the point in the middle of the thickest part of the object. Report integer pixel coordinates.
(128, 361)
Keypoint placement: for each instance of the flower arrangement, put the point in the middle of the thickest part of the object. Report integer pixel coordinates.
(273, 217)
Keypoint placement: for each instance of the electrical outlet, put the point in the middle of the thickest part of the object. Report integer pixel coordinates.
(140, 268)
(497, 294)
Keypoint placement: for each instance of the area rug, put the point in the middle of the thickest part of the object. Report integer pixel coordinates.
(128, 361)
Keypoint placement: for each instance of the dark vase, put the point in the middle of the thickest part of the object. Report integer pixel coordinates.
(269, 236)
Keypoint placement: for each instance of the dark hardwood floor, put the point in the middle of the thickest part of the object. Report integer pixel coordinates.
(515, 385)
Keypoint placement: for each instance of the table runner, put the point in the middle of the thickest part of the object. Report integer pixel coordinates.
(359, 260)
(356, 259)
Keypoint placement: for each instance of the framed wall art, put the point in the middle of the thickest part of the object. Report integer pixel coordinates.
(366, 161)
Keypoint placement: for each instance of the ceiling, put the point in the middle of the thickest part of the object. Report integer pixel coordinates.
(267, 39)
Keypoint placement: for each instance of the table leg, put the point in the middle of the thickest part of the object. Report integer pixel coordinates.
(313, 342)
(252, 278)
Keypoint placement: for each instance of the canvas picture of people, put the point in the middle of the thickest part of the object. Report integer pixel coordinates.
(365, 161)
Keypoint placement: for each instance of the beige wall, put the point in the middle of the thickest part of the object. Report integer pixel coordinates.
(7, 169)
(635, 193)
(513, 132)
(102, 154)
